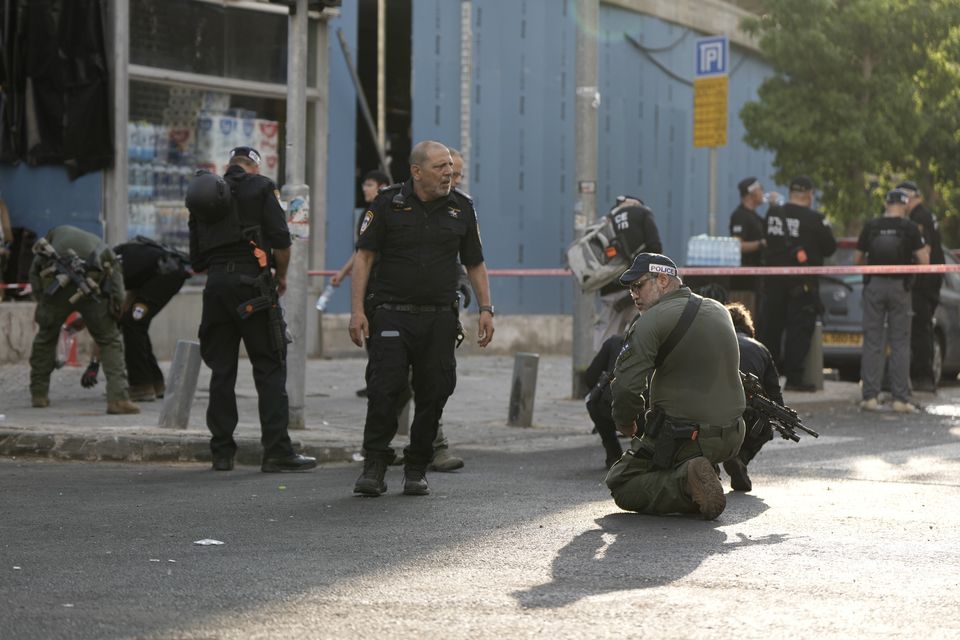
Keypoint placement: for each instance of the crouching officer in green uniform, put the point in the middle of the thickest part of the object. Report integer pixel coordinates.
(75, 271)
(684, 348)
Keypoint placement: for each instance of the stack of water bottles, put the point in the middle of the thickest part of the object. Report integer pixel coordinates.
(713, 251)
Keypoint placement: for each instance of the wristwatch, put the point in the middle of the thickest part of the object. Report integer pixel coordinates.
(488, 308)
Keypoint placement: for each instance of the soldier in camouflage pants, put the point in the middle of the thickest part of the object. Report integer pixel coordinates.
(100, 315)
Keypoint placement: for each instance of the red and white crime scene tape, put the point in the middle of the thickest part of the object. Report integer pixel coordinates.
(743, 271)
(695, 271)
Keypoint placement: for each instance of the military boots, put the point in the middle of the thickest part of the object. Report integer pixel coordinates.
(415, 482)
(371, 482)
(704, 487)
(121, 407)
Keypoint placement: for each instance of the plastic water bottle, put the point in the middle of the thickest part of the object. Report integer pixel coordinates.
(325, 297)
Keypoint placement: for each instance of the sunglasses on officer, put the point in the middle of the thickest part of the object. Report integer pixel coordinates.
(637, 285)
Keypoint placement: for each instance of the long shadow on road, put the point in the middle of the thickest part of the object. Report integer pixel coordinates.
(631, 551)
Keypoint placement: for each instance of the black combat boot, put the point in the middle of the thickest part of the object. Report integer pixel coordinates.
(415, 481)
(737, 470)
(370, 482)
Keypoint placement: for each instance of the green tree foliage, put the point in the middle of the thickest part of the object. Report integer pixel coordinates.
(864, 92)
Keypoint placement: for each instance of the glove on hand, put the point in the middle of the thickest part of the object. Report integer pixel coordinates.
(89, 378)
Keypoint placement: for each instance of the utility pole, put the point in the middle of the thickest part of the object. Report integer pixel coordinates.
(296, 197)
(116, 210)
(585, 209)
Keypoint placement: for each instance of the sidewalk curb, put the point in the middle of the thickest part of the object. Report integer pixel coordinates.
(123, 448)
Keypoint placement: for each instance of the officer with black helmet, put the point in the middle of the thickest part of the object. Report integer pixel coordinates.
(416, 231)
(888, 240)
(238, 231)
(796, 235)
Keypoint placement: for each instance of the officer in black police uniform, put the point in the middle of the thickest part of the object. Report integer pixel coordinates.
(153, 274)
(221, 243)
(926, 292)
(747, 225)
(597, 378)
(636, 232)
(796, 236)
(416, 231)
(755, 359)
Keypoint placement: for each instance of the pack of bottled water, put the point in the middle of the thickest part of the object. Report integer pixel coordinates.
(713, 251)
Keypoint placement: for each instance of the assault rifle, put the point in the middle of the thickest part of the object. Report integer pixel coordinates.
(67, 269)
(268, 300)
(784, 419)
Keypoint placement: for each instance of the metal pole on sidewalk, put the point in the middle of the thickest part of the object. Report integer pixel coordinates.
(585, 209)
(296, 196)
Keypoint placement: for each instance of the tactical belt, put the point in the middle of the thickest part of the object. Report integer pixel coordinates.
(714, 431)
(418, 308)
(234, 267)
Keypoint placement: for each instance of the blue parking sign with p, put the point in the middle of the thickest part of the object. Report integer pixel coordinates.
(712, 56)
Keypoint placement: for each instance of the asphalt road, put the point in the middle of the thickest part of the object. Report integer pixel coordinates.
(851, 535)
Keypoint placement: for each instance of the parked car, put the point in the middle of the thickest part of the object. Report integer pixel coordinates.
(843, 319)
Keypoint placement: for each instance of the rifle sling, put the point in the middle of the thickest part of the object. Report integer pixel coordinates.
(679, 330)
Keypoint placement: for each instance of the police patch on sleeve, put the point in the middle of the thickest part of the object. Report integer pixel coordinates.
(276, 193)
(367, 219)
(139, 311)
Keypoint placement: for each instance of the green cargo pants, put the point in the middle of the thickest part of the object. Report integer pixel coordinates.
(51, 311)
(636, 486)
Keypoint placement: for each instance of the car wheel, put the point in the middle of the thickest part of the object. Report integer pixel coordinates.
(937, 358)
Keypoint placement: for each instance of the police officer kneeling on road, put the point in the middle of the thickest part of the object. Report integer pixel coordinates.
(237, 229)
(416, 230)
(689, 345)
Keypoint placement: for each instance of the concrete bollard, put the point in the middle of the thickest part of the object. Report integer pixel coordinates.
(813, 364)
(181, 385)
(523, 389)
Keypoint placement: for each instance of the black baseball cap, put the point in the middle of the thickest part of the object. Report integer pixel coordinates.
(747, 185)
(649, 263)
(801, 183)
(897, 196)
(246, 152)
(909, 185)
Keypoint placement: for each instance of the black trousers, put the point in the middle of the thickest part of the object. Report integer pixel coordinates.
(789, 310)
(221, 331)
(753, 441)
(399, 341)
(142, 367)
(921, 333)
(601, 413)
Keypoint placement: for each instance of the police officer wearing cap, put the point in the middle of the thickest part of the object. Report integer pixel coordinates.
(926, 292)
(223, 240)
(796, 236)
(888, 240)
(636, 231)
(416, 231)
(746, 224)
(684, 348)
